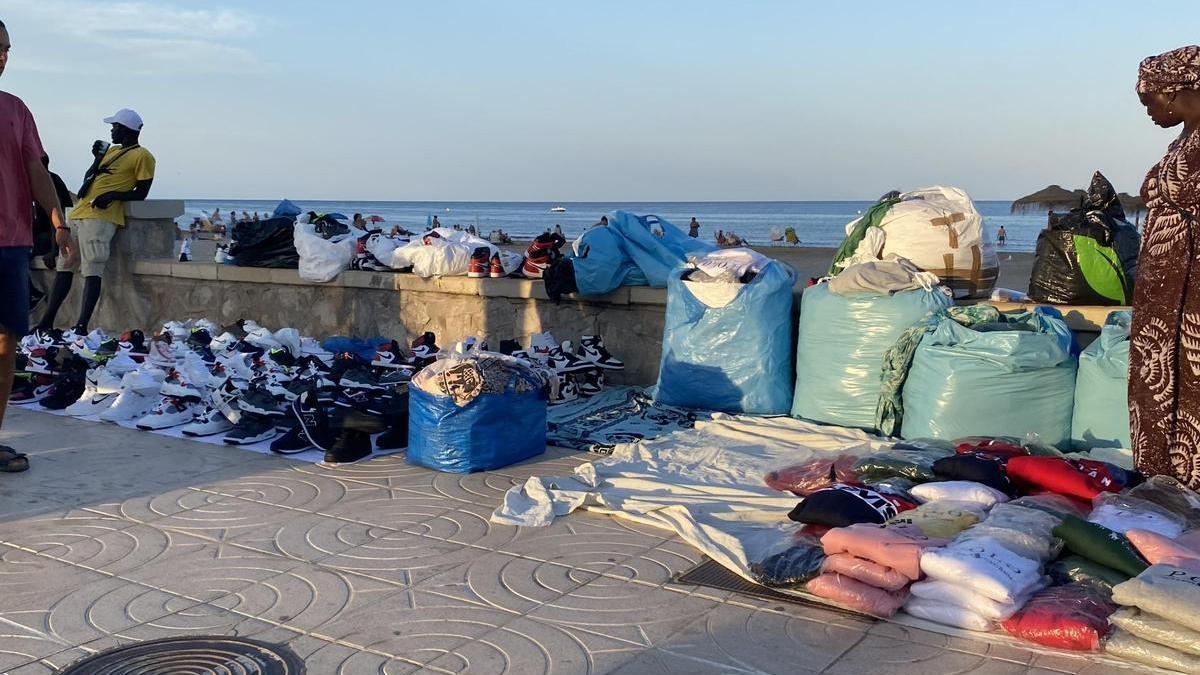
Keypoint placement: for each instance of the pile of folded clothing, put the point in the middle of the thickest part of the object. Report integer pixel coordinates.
(1159, 620)
(868, 568)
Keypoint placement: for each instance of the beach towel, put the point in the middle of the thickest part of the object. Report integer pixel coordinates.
(1156, 629)
(856, 595)
(1063, 617)
(1100, 544)
(615, 415)
(965, 597)
(866, 571)
(885, 546)
(1166, 591)
(1128, 646)
(984, 565)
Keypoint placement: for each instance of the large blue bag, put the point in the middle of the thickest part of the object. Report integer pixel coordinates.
(1101, 388)
(628, 253)
(492, 430)
(840, 348)
(995, 381)
(735, 358)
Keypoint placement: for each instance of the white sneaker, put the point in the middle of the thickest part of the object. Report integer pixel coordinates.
(262, 338)
(170, 411)
(223, 343)
(208, 422)
(163, 354)
(540, 345)
(121, 363)
(178, 330)
(238, 366)
(100, 390)
(567, 391)
(592, 350)
(130, 404)
(561, 360)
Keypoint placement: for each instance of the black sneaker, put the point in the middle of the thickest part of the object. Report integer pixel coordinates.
(282, 357)
(134, 341)
(507, 347)
(359, 378)
(344, 362)
(258, 402)
(199, 337)
(396, 418)
(358, 399)
(67, 389)
(314, 422)
(398, 377)
(251, 429)
(291, 442)
(350, 446)
(592, 350)
(424, 350)
(590, 382)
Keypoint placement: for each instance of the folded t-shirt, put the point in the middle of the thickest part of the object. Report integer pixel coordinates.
(966, 597)
(1076, 569)
(843, 504)
(1155, 548)
(1156, 629)
(959, 491)
(899, 550)
(1128, 646)
(866, 571)
(1100, 544)
(1058, 475)
(1064, 617)
(1165, 590)
(950, 615)
(856, 595)
(984, 565)
(943, 519)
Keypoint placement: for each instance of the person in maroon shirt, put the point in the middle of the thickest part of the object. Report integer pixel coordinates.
(23, 179)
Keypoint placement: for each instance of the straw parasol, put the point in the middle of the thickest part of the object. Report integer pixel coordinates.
(1058, 198)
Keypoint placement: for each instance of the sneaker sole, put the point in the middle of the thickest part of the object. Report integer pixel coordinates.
(201, 434)
(146, 427)
(265, 436)
(291, 451)
(476, 275)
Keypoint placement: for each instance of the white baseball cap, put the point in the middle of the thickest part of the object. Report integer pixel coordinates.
(127, 118)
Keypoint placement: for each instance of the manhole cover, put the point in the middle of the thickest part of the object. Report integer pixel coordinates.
(192, 655)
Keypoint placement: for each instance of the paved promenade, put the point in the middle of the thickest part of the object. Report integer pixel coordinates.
(115, 536)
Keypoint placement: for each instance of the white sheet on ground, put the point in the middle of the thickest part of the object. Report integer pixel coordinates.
(705, 484)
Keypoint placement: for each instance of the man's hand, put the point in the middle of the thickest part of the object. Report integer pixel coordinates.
(98, 149)
(66, 246)
(104, 200)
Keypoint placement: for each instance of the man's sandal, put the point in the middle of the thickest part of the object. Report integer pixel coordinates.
(12, 461)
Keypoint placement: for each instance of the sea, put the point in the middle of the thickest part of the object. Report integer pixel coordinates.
(818, 224)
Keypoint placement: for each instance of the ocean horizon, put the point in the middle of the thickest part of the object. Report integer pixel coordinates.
(817, 223)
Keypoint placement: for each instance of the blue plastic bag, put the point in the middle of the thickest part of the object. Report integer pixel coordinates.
(735, 358)
(286, 209)
(1101, 388)
(628, 253)
(840, 348)
(966, 382)
(364, 349)
(492, 431)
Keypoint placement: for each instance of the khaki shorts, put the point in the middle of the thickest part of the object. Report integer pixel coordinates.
(93, 239)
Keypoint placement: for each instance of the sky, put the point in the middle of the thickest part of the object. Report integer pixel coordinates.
(601, 101)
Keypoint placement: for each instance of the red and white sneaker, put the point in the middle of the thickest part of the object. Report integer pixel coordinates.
(478, 267)
(495, 268)
(389, 355)
(535, 265)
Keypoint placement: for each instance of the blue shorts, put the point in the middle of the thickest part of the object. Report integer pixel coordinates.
(14, 290)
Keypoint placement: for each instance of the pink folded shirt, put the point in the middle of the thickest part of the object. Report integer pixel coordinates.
(890, 547)
(856, 595)
(866, 571)
(1154, 547)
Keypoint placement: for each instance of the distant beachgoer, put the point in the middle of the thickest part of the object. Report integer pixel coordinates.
(1001, 236)
(185, 247)
(246, 216)
(694, 228)
(359, 222)
(1164, 382)
(256, 216)
(776, 235)
(720, 237)
(435, 222)
(789, 235)
(558, 230)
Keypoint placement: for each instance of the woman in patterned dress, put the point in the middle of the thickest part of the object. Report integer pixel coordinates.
(1164, 382)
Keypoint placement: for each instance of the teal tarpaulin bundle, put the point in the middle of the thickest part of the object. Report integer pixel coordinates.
(1101, 388)
(630, 251)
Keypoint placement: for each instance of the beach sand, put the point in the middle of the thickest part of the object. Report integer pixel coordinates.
(808, 262)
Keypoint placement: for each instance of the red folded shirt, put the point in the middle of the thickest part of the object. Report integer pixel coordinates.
(1061, 476)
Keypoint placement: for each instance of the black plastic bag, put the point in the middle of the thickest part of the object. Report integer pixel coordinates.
(792, 566)
(1089, 255)
(559, 279)
(267, 243)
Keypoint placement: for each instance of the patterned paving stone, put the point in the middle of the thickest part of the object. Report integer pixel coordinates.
(884, 655)
(60, 527)
(400, 558)
(394, 508)
(126, 550)
(525, 645)
(504, 582)
(307, 538)
(210, 571)
(584, 541)
(285, 487)
(32, 581)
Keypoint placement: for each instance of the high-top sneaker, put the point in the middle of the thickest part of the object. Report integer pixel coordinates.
(199, 337)
(257, 401)
(535, 264)
(359, 378)
(223, 344)
(590, 382)
(238, 366)
(43, 361)
(262, 338)
(509, 347)
(30, 388)
(470, 344)
(170, 411)
(314, 422)
(350, 446)
(496, 267)
(101, 388)
(291, 442)
(205, 324)
(177, 330)
(478, 267)
(395, 415)
(162, 352)
(133, 344)
(225, 398)
(281, 357)
(139, 393)
(561, 360)
(424, 350)
(289, 339)
(592, 350)
(567, 390)
(389, 355)
(68, 386)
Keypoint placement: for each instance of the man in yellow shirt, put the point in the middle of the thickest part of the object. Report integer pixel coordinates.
(122, 173)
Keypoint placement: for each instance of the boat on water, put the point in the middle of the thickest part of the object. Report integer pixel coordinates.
(558, 209)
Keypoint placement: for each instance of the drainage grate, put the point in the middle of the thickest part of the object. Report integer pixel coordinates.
(192, 654)
(713, 574)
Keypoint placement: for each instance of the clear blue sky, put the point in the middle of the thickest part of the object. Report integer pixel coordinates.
(611, 100)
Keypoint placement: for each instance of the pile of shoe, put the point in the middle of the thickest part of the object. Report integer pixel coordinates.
(247, 383)
(364, 258)
(579, 373)
(542, 252)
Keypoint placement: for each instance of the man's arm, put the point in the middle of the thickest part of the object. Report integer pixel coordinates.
(47, 197)
(137, 194)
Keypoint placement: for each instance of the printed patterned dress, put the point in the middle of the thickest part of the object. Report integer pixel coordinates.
(1164, 376)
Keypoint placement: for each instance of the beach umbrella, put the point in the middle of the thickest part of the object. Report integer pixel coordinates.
(375, 219)
(1049, 199)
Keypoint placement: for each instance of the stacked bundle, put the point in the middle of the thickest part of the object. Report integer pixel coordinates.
(1159, 623)
(868, 568)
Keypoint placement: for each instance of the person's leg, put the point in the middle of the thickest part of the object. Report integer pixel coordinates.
(58, 294)
(14, 323)
(95, 244)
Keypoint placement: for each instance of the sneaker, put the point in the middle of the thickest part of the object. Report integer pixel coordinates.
(567, 391)
(130, 404)
(396, 418)
(45, 338)
(351, 446)
(508, 347)
(289, 339)
(427, 240)
(522, 355)
(540, 345)
(101, 388)
(591, 382)
(162, 352)
(389, 355)
(592, 350)
(170, 411)
(395, 378)
(359, 378)
(208, 422)
(281, 357)
(424, 350)
(223, 344)
(291, 442)
(178, 330)
(226, 398)
(561, 360)
(133, 341)
(66, 389)
(30, 389)
(237, 366)
(251, 429)
(314, 422)
(205, 324)
(495, 267)
(478, 267)
(121, 363)
(358, 399)
(257, 401)
(262, 338)
(535, 265)
(42, 360)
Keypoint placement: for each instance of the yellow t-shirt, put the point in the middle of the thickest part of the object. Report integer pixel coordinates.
(124, 170)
